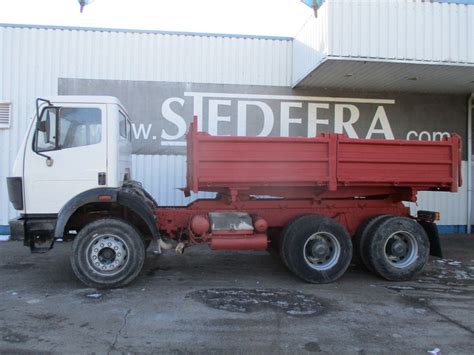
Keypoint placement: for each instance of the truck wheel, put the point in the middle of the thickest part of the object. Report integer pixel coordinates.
(316, 248)
(107, 253)
(397, 249)
(367, 227)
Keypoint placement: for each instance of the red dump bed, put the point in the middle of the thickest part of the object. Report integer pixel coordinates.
(329, 161)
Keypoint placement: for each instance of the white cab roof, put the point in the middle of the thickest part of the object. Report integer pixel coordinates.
(85, 99)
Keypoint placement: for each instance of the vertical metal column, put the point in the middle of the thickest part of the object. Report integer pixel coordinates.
(469, 163)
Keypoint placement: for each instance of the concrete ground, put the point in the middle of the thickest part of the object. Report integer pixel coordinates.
(238, 302)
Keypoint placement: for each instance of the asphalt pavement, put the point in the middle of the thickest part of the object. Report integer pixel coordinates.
(234, 302)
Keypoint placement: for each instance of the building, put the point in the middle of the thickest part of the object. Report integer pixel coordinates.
(372, 69)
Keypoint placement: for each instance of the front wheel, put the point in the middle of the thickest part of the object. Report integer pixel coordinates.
(107, 253)
(316, 248)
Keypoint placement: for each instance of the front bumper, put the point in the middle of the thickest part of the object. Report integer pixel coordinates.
(17, 228)
(32, 228)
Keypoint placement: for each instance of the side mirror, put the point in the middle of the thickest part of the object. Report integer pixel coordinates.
(41, 126)
(47, 129)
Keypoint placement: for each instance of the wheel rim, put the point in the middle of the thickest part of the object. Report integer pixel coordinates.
(107, 254)
(401, 249)
(321, 251)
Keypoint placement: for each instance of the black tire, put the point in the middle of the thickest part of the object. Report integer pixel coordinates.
(367, 227)
(413, 246)
(285, 235)
(108, 243)
(307, 235)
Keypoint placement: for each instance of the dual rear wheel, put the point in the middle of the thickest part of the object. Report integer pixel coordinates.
(396, 248)
(317, 249)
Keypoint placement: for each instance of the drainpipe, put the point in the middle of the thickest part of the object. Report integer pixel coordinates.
(469, 163)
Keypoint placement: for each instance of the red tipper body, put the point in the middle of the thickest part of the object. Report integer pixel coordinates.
(346, 179)
(329, 162)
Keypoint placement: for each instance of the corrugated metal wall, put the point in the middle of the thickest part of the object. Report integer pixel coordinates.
(32, 60)
(452, 206)
(163, 176)
(402, 30)
(310, 45)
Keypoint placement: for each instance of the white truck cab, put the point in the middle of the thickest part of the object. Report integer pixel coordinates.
(72, 181)
(74, 167)
(78, 143)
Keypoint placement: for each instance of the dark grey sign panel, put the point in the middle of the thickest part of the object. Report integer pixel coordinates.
(162, 111)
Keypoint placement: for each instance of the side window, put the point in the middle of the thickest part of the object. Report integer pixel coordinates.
(79, 127)
(122, 125)
(129, 130)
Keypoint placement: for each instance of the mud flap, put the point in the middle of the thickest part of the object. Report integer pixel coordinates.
(432, 230)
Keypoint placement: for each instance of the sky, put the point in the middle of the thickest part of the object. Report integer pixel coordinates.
(256, 17)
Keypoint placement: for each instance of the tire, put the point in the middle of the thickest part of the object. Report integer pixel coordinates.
(317, 249)
(367, 227)
(398, 248)
(284, 236)
(107, 253)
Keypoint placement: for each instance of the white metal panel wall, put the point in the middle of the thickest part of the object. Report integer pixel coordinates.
(402, 30)
(310, 45)
(162, 176)
(32, 60)
(386, 30)
(452, 206)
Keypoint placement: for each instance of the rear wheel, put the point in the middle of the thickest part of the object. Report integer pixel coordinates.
(107, 253)
(398, 248)
(316, 248)
(367, 227)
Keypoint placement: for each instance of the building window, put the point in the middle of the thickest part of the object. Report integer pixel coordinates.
(5, 114)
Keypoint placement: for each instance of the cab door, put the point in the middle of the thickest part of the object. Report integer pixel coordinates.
(67, 155)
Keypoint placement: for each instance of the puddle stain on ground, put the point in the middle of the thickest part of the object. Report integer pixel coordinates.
(312, 347)
(250, 300)
(443, 276)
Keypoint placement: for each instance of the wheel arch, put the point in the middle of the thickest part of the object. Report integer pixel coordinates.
(114, 202)
(431, 230)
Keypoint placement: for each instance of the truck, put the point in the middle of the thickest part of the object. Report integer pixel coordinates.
(316, 202)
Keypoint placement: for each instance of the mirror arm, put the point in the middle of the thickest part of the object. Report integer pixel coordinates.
(38, 100)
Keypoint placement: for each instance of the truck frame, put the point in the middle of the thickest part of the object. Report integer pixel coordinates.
(317, 202)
